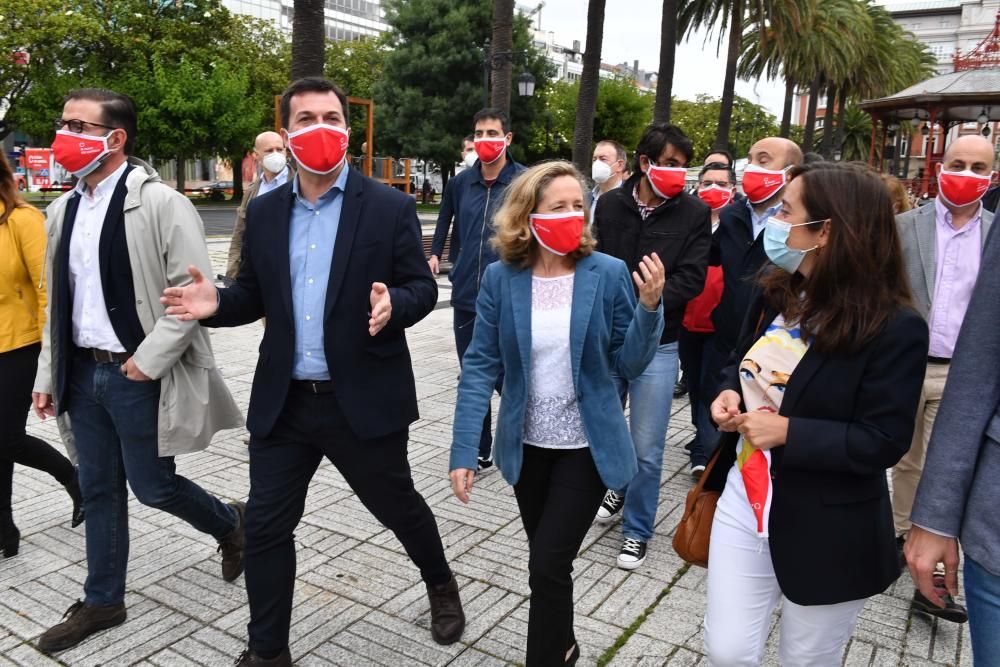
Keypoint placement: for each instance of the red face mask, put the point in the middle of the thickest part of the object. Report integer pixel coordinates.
(761, 184)
(319, 148)
(79, 154)
(489, 149)
(666, 182)
(716, 196)
(557, 232)
(961, 188)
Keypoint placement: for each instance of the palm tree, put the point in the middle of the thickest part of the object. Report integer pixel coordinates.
(503, 42)
(857, 129)
(784, 18)
(586, 102)
(668, 51)
(308, 38)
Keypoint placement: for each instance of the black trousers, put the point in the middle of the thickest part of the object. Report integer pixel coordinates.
(310, 427)
(17, 376)
(558, 494)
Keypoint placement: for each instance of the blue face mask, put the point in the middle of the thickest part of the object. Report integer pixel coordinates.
(775, 244)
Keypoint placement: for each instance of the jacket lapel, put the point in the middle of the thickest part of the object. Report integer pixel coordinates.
(811, 362)
(350, 213)
(520, 302)
(585, 284)
(926, 242)
(282, 228)
(986, 223)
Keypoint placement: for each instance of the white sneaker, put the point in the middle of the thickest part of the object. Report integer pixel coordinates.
(632, 555)
(696, 471)
(611, 507)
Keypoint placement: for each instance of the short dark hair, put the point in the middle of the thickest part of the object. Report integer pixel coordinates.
(117, 111)
(469, 138)
(729, 157)
(718, 166)
(619, 149)
(492, 113)
(812, 158)
(656, 137)
(311, 84)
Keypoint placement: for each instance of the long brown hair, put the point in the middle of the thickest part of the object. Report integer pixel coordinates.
(858, 279)
(9, 196)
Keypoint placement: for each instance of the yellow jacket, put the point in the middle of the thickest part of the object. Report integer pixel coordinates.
(22, 284)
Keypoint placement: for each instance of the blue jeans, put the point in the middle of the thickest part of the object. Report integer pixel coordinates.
(982, 597)
(114, 423)
(650, 395)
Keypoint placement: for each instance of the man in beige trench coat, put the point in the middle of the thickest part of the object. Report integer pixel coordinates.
(132, 387)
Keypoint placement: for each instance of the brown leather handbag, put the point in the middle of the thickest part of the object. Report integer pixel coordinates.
(695, 528)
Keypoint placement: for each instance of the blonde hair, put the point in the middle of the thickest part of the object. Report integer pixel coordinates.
(897, 193)
(514, 241)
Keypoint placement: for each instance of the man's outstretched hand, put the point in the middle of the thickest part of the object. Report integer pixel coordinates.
(194, 301)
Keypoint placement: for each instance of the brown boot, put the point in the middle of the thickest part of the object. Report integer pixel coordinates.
(233, 547)
(79, 622)
(250, 659)
(447, 617)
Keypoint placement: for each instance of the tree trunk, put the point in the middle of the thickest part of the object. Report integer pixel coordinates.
(181, 175)
(308, 38)
(826, 142)
(809, 131)
(786, 110)
(502, 42)
(729, 85)
(668, 52)
(237, 162)
(586, 102)
(838, 139)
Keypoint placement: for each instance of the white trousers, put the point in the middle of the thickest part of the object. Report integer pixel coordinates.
(743, 593)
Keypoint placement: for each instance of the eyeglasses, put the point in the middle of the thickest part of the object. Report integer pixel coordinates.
(76, 125)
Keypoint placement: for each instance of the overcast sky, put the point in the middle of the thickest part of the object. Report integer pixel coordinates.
(632, 31)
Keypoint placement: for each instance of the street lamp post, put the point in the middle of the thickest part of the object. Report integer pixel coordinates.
(492, 62)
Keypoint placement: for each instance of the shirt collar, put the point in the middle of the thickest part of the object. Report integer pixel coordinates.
(279, 178)
(944, 215)
(338, 186)
(768, 212)
(105, 186)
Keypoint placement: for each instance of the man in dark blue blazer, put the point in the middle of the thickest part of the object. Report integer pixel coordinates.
(335, 262)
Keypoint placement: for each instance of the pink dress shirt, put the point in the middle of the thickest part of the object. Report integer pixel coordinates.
(957, 256)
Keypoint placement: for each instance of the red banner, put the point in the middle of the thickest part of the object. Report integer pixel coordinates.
(37, 158)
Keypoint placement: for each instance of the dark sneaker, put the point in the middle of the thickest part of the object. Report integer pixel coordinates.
(900, 543)
(611, 507)
(483, 464)
(79, 622)
(680, 387)
(447, 617)
(233, 548)
(250, 659)
(73, 489)
(952, 611)
(633, 554)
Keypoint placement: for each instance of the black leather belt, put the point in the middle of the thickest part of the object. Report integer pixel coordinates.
(104, 356)
(314, 386)
(939, 361)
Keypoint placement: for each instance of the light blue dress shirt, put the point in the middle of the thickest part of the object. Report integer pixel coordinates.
(759, 221)
(274, 183)
(312, 234)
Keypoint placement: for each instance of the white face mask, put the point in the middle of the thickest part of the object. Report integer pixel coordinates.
(600, 171)
(470, 159)
(274, 162)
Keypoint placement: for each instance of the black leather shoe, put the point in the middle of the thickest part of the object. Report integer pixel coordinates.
(73, 489)
(10, 536)
(80, 621)
(447, 617)
(680, 387)
(250, 659)
(952, 611)
(233, 548)
(573, 656)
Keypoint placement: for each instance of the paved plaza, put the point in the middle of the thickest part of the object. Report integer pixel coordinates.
(358, 599)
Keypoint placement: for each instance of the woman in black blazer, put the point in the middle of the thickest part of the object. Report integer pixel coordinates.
(819, 401)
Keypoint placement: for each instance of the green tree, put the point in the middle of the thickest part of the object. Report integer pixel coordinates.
(750, 122)
(356, 67)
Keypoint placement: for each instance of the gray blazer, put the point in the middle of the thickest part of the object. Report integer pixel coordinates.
(918, 236)
(959, 492)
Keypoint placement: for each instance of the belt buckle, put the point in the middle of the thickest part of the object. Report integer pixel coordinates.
(313, 385)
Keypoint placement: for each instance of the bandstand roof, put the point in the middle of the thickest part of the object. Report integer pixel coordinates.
(957, 96)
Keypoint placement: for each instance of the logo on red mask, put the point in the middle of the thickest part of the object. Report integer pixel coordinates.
(557, 232)
(666, 182)
(319, 148)
(961, 188)
(489, 149)
(761, 184)
(79, 154)
(716, 196)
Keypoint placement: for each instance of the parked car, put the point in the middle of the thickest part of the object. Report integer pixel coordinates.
(218, 190)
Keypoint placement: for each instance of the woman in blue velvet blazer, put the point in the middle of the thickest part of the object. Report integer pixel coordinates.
(557, 318)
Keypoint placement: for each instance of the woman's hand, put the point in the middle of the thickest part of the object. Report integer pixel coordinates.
(763, 430)
(461, 483)
(650, 284)
(725, 408)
